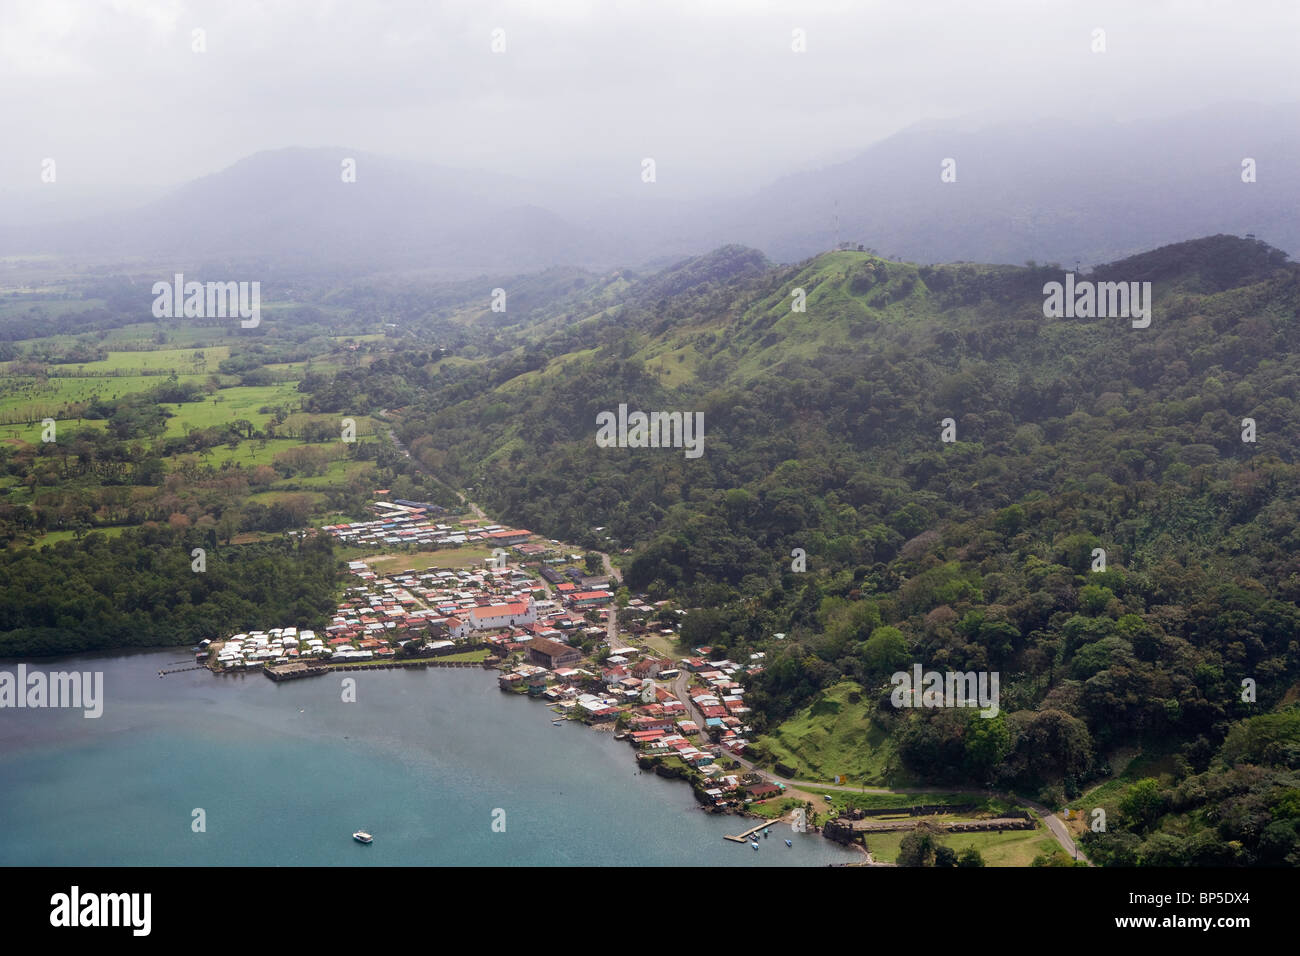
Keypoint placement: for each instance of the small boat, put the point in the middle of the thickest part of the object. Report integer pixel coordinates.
(361, 836)
(788, 843)
(754, 845)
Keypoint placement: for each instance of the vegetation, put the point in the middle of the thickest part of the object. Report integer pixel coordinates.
(1074, 436)
(1098, 534)
(140, 589)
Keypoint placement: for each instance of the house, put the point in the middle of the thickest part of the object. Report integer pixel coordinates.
(646, 668)
(582, 599)
(640, 722)
(491, 616)
(552, 654)
(509, 536)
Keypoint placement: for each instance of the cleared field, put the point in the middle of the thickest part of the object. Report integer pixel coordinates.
(232, 404)
(833, 736)
(192, 336)
(875, 801)
(181, 360)
(474, 657)
(463, 557)
(269, 498)
(31, 434)
(33, 398)
(365, 426)
(1014, 848)
(50, 306)
(53, 537)
(338, 473)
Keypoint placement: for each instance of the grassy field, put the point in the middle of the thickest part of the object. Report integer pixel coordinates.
(36, 398)
(1107, 796)
(875, 801)
(833, 736)
(473, 657)
(180, 360)
(774, 808)
(51, 306)
(54, 537)
(1014, 848)
(462, 557)
(231, 404)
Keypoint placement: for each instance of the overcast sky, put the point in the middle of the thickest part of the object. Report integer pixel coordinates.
(712, 89)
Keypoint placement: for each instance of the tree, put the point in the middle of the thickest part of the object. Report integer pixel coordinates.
(885, 650)
(988, 741)
(1143, 805)
(970, 857)
(918, 847)
(1054, 857)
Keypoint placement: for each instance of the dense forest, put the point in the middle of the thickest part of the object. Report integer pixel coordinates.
(1106, 530)
(141, 589)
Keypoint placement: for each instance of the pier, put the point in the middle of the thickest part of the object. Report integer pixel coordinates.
(744, 837)
(298, 669)
(177, 670)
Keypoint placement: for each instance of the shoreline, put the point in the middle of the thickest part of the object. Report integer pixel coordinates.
(322, 669)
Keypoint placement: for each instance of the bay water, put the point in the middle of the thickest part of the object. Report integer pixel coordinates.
(427, 760)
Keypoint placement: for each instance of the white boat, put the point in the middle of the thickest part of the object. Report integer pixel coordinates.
(361, 836)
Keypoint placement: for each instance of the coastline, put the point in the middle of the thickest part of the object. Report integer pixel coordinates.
(420, 760)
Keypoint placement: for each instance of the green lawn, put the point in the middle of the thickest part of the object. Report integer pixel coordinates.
(34, 398)
(53, 537)
(388, 563)
(180, 360)
(1013, 848)
(473, 657)
(833, 736)
(231, 404)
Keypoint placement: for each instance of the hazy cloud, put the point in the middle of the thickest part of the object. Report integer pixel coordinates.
(711, 90)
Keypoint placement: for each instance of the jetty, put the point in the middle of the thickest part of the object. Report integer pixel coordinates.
(744, 837)
(293, 671)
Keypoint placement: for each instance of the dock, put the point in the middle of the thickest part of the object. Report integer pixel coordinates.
(744, 837)
(177, 670)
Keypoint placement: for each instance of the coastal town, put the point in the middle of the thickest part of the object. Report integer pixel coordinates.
(571, 637)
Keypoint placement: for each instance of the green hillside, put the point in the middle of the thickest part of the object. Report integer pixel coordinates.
(823, 433)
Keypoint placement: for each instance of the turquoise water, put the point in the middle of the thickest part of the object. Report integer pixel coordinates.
(286, 772)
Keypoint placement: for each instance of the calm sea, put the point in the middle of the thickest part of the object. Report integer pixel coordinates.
(284, 773)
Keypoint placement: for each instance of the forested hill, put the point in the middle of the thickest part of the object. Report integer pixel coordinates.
(823, 433)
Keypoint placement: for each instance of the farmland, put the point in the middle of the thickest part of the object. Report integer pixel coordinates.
(108, 423)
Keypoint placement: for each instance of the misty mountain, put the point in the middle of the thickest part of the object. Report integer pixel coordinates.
(1048, 191)
(1062, 191)
(292, 207)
